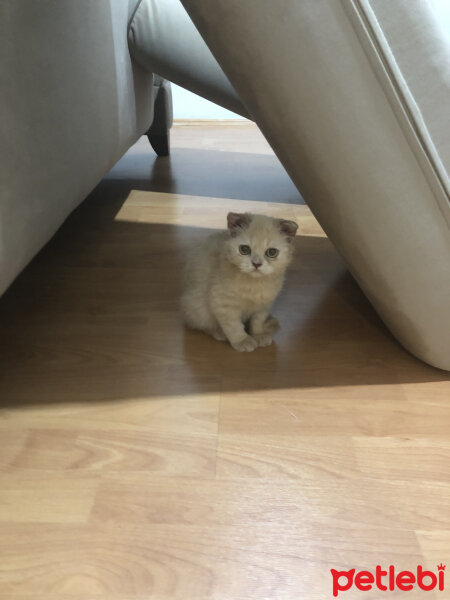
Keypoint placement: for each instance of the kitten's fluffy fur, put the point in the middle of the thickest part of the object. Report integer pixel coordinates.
(226, 295)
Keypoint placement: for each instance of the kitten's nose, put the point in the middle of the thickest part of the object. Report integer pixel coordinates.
(256, 264)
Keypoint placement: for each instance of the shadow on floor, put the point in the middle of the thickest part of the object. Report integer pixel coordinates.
(210, 173)
(95, 317)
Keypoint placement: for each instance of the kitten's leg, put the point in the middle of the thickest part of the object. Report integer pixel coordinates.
(271, 325)
(219, 335)
(233, 328)
(198, 316)
(259, 329)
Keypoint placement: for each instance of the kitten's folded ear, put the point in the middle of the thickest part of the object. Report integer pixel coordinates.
(289, 228)
(238, 221)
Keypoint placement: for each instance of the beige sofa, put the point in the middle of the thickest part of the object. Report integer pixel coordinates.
(72, 102)
(353, 96)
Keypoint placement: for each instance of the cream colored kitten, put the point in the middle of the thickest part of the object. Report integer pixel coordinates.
(234, 276)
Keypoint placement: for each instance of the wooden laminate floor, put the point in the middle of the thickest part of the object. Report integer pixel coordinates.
(143, 461)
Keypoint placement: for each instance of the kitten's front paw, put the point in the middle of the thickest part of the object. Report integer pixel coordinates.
(248, 344)
(263, 339)
(271, 325)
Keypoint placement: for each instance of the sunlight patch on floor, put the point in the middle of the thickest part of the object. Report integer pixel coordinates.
(199, 211)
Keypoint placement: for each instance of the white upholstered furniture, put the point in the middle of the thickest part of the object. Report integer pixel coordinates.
(72, 102)
(353, 95)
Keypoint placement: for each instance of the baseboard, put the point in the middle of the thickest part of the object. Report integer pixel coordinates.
(214, 122)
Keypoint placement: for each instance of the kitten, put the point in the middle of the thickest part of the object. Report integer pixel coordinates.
(234, 276)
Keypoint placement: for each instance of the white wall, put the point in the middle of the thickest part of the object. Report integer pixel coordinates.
(190, 106)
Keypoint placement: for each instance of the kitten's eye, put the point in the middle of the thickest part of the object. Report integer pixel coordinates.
(243, 249)
(272, 252)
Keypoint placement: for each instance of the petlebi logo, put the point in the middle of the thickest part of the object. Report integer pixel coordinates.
(388, 580)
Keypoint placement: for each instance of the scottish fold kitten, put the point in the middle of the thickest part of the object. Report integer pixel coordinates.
(234, 276)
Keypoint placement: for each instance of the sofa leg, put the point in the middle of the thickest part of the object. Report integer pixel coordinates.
(160, 142)
(159, 131)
